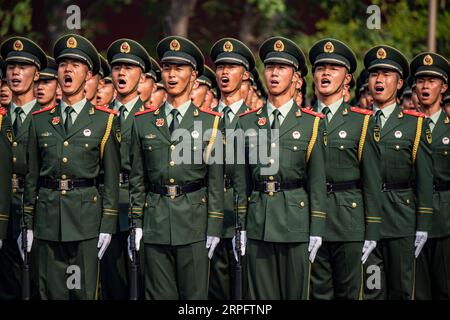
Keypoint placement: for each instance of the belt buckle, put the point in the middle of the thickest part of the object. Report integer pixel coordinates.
(15, 183)
(173, 190)
(271, 186)
(65, 185)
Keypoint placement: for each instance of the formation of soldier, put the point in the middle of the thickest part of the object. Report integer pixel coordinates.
(272, 199)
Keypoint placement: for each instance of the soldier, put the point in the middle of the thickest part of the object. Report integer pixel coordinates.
(431, 72)
(159, 96)
(5, 91)
(146, 88)
(286, 204)
(24, 59)
(407, 178)
(92, 85)
(233, 61)
(129, 62)
(446, 102)
(353, 178)
(202, 86)
(69, 145)
(105, 91)
(45, 87)
(178, 202)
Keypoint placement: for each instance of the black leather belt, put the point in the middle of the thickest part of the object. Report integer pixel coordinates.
(277, 186)
(227, 183)
(65, 184)
(388, 186)
(17, 182)
(174, 190)
(442, 186)
(343, 186)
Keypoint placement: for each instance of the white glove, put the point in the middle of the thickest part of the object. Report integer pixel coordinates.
(137, 241)
(314, 245)
(104, 239)
(29, 242)
(243, 244)
(421, 238)
(211, 244)
(368, 247)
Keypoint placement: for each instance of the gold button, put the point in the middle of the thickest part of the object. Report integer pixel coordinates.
(341, 147)
(407, 201)
(150, 148)
(171, 180)
(146, 205)
(14, 159)
(63, 192)
(14, 190)
(86, 145)
(95, 199)
(273, 145)
(195, 148)
(272, 161)
(271, 178)
(66, 143)
(302, 204)
(354, 205)
(64, 177)
(172, 163)
(14, 144)
(295, 148)
(172, 197)
(45, 145)
(204, 200)
(445, 152)
(252, 145)
(64, 160)
(172, 147)
(14, 176)
(397, 147)
(248, 198)
(270, 193)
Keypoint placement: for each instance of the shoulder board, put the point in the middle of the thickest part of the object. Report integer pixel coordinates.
(106, 109)
(144, 112)
(43, 110)
(3, 111)
(211, 112)
(249, 111)
(362, 111)
(414, 113)
(316, 114)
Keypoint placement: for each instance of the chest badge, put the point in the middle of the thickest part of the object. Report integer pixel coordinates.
(56, 120)
(343, 134)
(398, 134)
(445, 140)
(159, 122)
(195, 134)
(296, 135)
(262, 121)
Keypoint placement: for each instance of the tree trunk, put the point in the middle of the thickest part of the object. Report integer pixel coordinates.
(177, 17)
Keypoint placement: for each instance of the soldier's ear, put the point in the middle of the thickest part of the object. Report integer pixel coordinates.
(299, 83)
(348, 77)
(246, 75)
(444, 87)
(142, 78)
(36, 76)
(399, 83)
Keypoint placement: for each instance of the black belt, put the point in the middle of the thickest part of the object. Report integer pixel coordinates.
(175, 190)
(227, 183)
(388, 186)
(343, 186)
(65, 184)
(277, 186)
(17, 182)
(442, 186)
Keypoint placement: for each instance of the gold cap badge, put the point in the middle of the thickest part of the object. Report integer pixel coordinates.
(228, 46)
(278, 46)
(71, 43)
(381, 54)
(428, 60)
(125, 47)
(18, 45)
(328, 47)
(175, 45)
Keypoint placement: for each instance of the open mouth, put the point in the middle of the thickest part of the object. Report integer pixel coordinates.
(379, 89)
(3, 95)
(122, 83)
(40, 94)
(15, 82)
(425, 94)
(325, 83)
(274, 83)
(224, 80)
(172, 83)
(67, 81)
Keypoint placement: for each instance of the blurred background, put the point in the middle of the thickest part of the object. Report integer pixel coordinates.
(410, 26)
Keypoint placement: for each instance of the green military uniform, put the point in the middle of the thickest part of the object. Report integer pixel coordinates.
(62, 202)
(5, 174)
(229, 51)
(114, 265)
(18, 50)
(407, 189)
(177, 204)
(353, 183)
(287, 205)
(433, 264)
